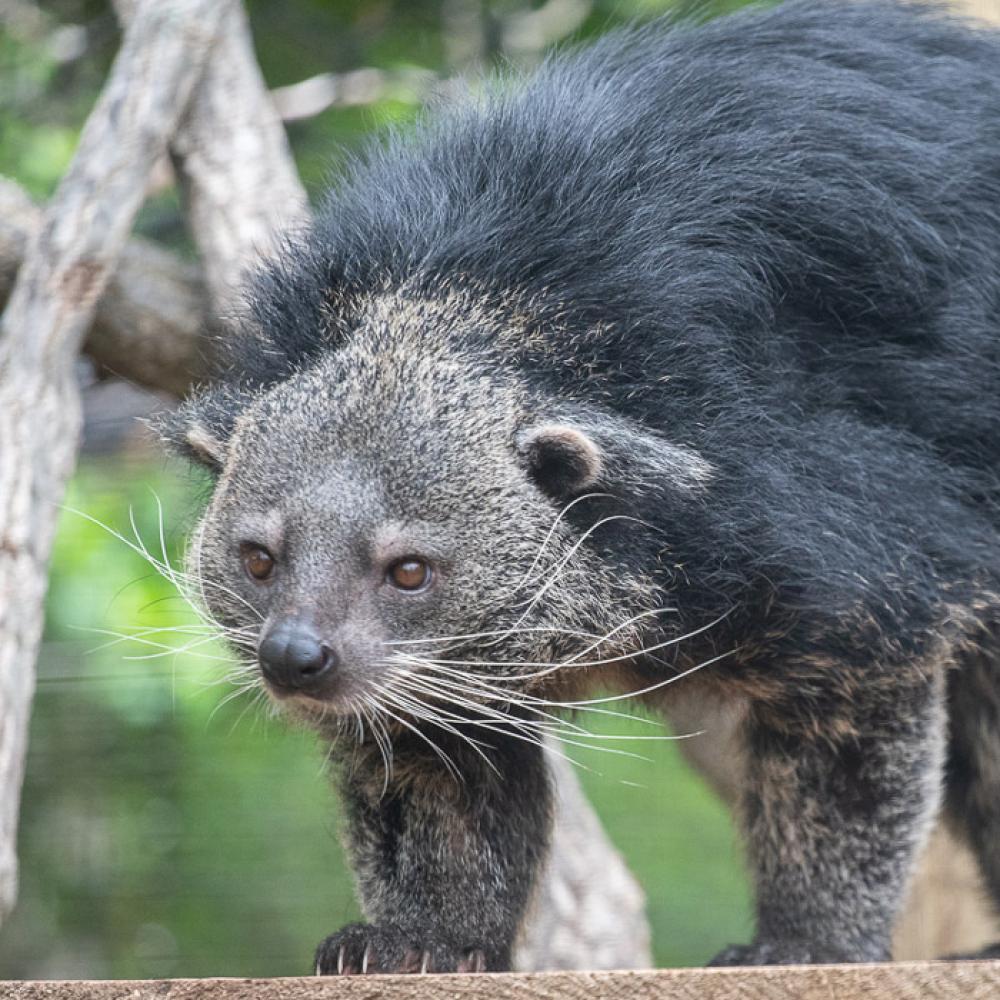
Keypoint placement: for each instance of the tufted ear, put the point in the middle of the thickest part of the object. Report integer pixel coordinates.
(560, 458)
(590, 449)
(201, 427)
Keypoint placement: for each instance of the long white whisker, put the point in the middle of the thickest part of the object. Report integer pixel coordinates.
(523, 736)
(436, 687)
(451, 639)
(652, 687)
(558, 726)
(226, 699)
(548, 668)
(536, 740)
(170, 573)
(546, 722)
(628, 623)
(254, 702)
(552, 530)
(141, 633)
(445, 759)
(553, 574)
(165, 648)
(528, 700)
(409, 703)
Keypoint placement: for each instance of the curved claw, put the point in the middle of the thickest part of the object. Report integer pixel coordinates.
(474, 961)
(364, 949)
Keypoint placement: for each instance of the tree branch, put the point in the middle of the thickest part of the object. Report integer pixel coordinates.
(66, 266)
(149, 324)
(232, 158)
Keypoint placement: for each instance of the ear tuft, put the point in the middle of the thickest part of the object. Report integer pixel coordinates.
(200, 428)
(575, 451)
(560, 458)
(204, 446)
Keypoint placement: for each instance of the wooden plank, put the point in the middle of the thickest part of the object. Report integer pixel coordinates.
(900, 981)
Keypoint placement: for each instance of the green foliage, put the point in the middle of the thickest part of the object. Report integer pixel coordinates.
(33, 152)
(52, 66)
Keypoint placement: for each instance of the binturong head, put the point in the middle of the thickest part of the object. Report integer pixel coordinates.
(410, 525)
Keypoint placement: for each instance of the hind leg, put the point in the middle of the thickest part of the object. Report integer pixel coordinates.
(973, 769)
(840, 789)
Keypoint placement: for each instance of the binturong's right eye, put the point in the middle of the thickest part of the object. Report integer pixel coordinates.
(410, 574)
(257, 561)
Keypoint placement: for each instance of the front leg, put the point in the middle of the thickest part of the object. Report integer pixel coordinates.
(843, 781)
(445, 864)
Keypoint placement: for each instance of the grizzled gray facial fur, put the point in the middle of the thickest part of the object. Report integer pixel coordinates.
(390, 452)
(673, 367)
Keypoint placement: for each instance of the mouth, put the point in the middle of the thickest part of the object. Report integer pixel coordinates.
(328, 697)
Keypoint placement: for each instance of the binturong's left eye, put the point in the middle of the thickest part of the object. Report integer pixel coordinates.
(257, 561)
(410, 574)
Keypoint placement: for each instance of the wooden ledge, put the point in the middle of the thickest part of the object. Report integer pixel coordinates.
(898, 981)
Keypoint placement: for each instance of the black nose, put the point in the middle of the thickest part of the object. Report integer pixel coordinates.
(293, 655)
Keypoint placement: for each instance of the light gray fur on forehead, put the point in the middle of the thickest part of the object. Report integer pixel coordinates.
(405, 320)
(410, 399)
(398, 379)
(265, 527)
(451, 307)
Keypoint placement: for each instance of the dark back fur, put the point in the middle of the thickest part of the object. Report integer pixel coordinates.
(741, 237)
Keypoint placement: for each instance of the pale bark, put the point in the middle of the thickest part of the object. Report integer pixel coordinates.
(149, 324)
(66, 267)
(356, 88)
(986, 10)
(235, 167)
(590, 912)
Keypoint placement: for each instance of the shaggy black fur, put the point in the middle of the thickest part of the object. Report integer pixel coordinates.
(773, 240)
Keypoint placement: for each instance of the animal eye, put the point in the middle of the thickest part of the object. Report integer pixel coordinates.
(409, 574)
(258, 562)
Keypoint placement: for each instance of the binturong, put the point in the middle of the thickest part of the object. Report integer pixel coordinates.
(673, 370)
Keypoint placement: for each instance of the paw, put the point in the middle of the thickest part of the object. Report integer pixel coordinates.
(364, 949)
(788, 953)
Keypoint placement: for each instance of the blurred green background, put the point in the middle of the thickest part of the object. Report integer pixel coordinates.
(164, 834)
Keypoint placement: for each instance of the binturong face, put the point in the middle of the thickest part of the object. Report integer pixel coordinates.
(405, 532)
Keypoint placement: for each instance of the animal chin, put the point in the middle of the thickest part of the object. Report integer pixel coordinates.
(330, 701)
